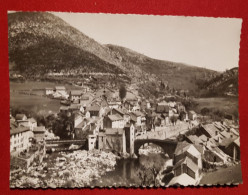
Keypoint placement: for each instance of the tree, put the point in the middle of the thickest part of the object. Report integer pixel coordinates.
(122, 92)
(173, 119)
(149, 169)
(205, 111)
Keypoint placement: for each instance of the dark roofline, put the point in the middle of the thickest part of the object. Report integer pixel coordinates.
(19, 130)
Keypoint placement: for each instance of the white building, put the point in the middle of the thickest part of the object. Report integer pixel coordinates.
(20, 139)
(49, 91)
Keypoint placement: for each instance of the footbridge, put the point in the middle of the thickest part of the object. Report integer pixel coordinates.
(73, 141)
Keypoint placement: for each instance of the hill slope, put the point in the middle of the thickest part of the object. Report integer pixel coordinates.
(44, 42)
(177, 75)
(223, 84)
(41, 42)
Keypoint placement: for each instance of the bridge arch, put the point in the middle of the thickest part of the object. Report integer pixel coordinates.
(167, 145)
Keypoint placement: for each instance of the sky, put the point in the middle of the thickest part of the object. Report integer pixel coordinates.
(211, 43)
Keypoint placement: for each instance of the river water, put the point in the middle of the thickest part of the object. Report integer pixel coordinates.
(124, 174)
(127, 171)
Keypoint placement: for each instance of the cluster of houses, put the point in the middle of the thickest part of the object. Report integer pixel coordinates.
(110, 123)
(215, 144)
(221, 138)
(60, 92)
(26, 140)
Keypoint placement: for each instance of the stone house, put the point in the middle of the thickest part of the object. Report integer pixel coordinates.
(113, 121)
(113, 140)
(75, 95)
(187, 159)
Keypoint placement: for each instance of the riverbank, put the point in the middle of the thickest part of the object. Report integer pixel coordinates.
(65, 170)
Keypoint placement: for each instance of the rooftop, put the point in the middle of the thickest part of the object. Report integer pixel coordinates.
(192, 112)
(18, 130)
(188, 162)
(184, 146)
(115, 117)
(80, 125)
(32, 120)
(237, 142)
(203, 138)
(39, 129)
(211, 129)
(181, 147)
(193, 138)
(122, 112)
(20, 116)
(93, 108)
(76, 92)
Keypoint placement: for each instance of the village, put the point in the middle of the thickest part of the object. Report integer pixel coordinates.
(108, 124)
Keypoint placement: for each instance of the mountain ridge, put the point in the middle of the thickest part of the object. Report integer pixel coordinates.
(40, 42)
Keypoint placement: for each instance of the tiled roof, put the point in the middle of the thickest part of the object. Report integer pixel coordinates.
(93, 108)
(39, 129)
(211, 129)
(192, 112)
(188, 162)
(237, 142)
(32, 120)
(193, 138)
(119, 111)
(80, 125)
(115, 117)
(226, 134)
(18, 130)
(203, 138)
(20, 116)
(76, 92)
(181, 147)
(199, 148)
(13, 124)
(114, 131)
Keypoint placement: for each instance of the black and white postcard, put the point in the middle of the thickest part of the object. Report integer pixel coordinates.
(115, 100)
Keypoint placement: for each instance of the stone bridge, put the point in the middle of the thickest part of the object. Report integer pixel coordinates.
(168, 145)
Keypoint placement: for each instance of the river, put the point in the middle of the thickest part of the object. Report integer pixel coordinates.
(124, 174)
